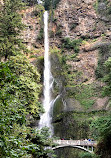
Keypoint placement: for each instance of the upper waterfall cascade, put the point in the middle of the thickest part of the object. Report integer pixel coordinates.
(45, 119)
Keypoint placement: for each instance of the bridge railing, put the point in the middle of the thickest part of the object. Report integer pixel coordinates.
(76, 142)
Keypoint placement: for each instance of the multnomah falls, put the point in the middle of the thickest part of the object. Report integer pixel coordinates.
(55, 78)
(45, 119)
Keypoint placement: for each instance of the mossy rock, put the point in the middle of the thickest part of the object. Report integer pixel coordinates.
(58, 108)
(73, 105)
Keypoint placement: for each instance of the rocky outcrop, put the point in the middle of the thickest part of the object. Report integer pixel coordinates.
(78, 18)
(95, 46)
(101, 104)
(32, 26)
(31, 32)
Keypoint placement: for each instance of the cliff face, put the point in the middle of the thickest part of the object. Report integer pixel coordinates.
(77, 20)
(80, 14)
(80, 18)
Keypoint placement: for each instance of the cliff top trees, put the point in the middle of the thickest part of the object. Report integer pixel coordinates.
(10, 27)
(47, 4)
(50, 3)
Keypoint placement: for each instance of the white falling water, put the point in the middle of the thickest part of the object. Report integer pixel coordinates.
(45, 119)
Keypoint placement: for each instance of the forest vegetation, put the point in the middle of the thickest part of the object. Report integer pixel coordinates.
(19, 90)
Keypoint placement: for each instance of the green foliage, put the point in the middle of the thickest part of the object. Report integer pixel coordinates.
(20, 89)
(71, 57)
(84, 94)
(103, 56)
(38, 11)
(30, 2)
(40, 66)
(71, 44)
(59, 67)
(27, 83)
(103, 7)
(107, 78)
(59, 32)
(73, 26)
(55, 2)
(47, 4)
(25, 87)
(103, 70)
(101, 129)
(10, 27)
(56, 51)
(24, 141)
(19, 84)
(41, 34)
(86, 155)
(96, 5)
(73, 78)
(109, 10)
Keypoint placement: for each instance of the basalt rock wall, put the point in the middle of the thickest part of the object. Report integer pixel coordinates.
(81, 100)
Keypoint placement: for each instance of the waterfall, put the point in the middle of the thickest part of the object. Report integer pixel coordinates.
(45, 119)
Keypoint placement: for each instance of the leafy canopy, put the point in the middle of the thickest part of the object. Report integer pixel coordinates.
(10, 28)
(20, 88)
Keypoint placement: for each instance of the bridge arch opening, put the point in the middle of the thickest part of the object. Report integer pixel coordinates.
(74, 146)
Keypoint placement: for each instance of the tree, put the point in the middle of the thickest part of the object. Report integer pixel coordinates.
(19, 84)
(47, 4)
(55, 2)
(10, 28)
(101, 129)
(30, 2)
(107, 78)
(27, 86)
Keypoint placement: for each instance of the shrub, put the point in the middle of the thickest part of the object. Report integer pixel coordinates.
(38, 11)
(84, 94)
(73, 26)
(85, 155)
(104, 53)
(55, 2)
(41, 34)
(71, 44)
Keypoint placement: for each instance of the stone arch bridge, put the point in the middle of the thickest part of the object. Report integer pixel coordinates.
(80, 144)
